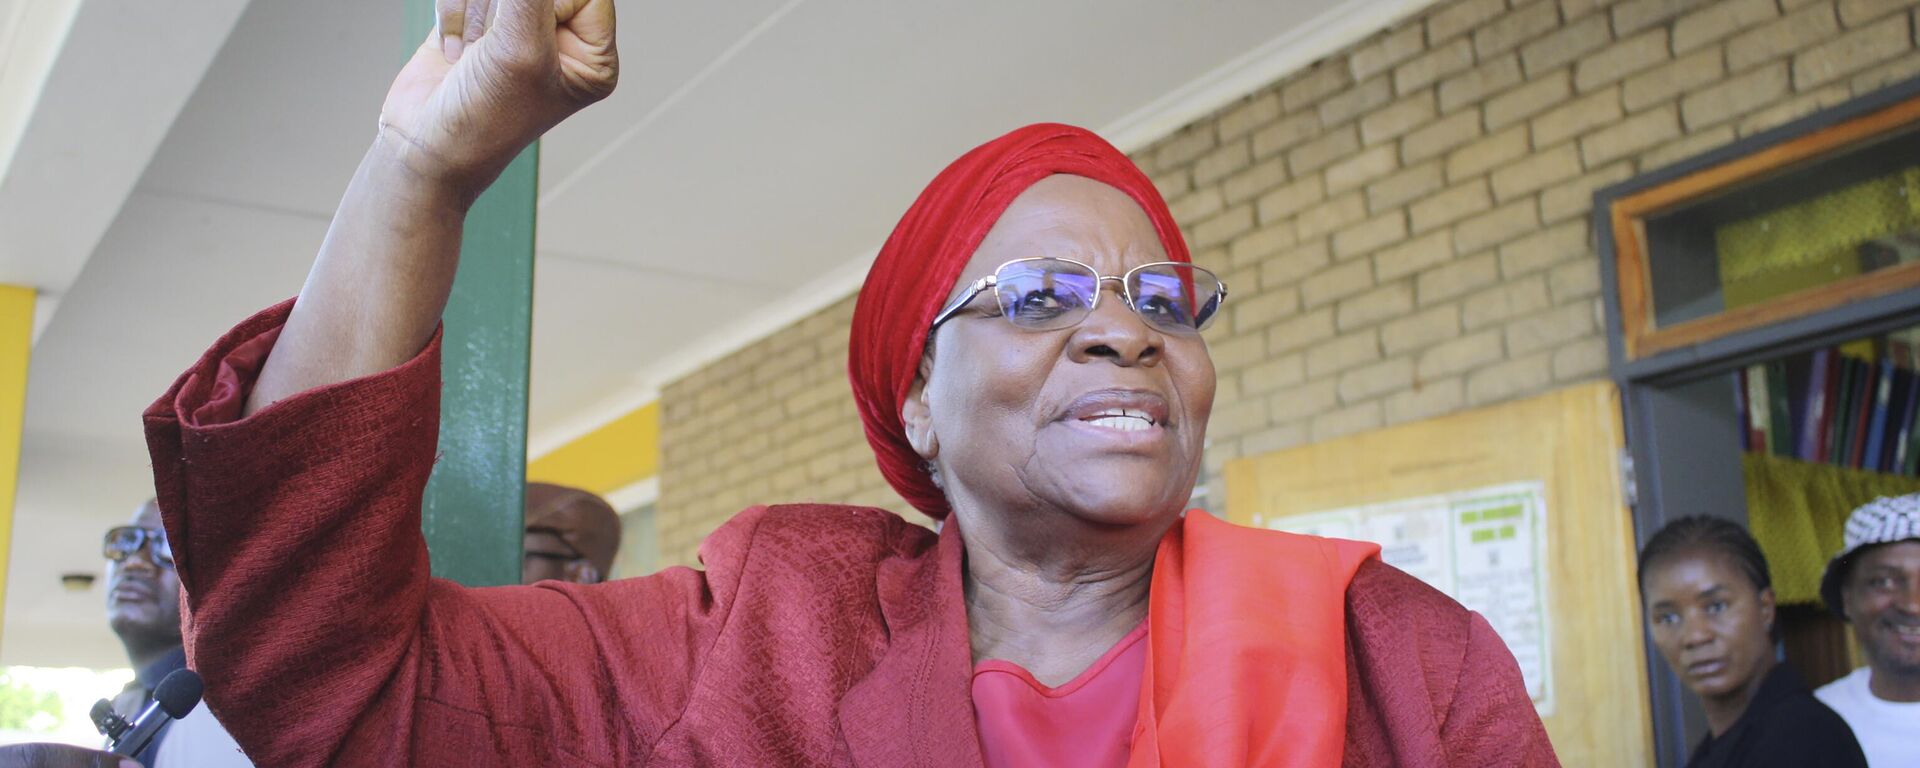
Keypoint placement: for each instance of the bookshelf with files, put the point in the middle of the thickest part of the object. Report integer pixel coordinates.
(1854, 405)
(1761, 301)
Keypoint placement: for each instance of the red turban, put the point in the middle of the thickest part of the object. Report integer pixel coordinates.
(917, 268)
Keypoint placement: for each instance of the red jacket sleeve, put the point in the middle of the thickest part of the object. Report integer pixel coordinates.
(309, 610)
(1429, 683)
(1491, 720)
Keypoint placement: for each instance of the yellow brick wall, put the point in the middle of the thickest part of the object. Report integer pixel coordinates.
(771, 423)
(1403, 226)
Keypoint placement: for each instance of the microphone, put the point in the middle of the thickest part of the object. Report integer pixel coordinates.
(109, 723)
(173, 699)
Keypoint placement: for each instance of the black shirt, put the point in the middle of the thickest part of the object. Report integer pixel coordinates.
(1785, 726)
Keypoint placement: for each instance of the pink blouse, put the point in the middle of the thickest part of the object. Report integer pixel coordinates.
(1086, 722)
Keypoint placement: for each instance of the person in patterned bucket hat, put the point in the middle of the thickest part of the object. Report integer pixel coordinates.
(1874, 583)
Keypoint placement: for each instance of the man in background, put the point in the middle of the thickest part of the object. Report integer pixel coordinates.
(143, 608)
(571, 535)
(1874, 583)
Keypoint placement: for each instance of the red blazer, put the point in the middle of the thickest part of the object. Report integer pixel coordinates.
(816, 635)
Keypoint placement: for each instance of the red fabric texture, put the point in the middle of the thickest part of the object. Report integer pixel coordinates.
(1086, 722)
(915, 272)
(816, 635)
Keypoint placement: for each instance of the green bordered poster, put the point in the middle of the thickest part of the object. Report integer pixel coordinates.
(1484, 547)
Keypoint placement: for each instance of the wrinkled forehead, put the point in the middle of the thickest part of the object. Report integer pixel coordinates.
(1069, 217)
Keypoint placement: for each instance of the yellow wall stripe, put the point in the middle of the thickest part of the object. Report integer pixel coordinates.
(618, 454)
(16, 345)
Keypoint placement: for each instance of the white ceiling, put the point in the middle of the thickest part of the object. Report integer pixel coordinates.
(756, 153)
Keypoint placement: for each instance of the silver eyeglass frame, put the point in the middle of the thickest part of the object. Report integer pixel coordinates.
(992, 281)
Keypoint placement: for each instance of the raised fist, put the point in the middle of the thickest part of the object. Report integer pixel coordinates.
(492, 77)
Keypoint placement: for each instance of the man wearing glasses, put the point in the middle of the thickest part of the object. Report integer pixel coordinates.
(143, 608)
(571, 535)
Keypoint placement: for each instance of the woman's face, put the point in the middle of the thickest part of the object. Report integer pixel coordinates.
(1709, 620)
(1009, 415)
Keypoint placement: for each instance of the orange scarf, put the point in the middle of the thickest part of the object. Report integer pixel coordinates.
(1247, 655)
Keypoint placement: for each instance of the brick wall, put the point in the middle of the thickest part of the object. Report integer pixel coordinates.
(1403, 226)
(773, 422)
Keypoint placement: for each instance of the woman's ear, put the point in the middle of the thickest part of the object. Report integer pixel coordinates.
(917, 417)
(1766, 607)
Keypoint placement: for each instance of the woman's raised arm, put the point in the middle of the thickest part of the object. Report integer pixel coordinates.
(493, 76)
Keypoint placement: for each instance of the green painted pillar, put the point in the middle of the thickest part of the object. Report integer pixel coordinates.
(475, 502)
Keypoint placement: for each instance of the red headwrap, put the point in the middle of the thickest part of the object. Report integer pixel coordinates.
(917, 269)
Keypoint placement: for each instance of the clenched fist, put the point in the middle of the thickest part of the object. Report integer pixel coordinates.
(492, 77)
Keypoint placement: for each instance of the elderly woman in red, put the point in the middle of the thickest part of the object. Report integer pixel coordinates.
(1027, 361)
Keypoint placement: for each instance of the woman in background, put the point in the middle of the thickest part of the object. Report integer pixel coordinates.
(1710, 611)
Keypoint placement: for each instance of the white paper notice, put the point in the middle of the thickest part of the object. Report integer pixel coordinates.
(1483, 547)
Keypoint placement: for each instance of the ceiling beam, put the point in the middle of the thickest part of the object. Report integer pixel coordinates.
(106, 99)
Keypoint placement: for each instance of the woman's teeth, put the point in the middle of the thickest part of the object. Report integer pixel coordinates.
(1125, 420)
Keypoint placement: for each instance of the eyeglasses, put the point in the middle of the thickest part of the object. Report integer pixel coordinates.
(123, 542)
(1045, 294)
(570, 555)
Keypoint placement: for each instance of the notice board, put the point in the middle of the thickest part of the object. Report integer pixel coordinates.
(1516, 510)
